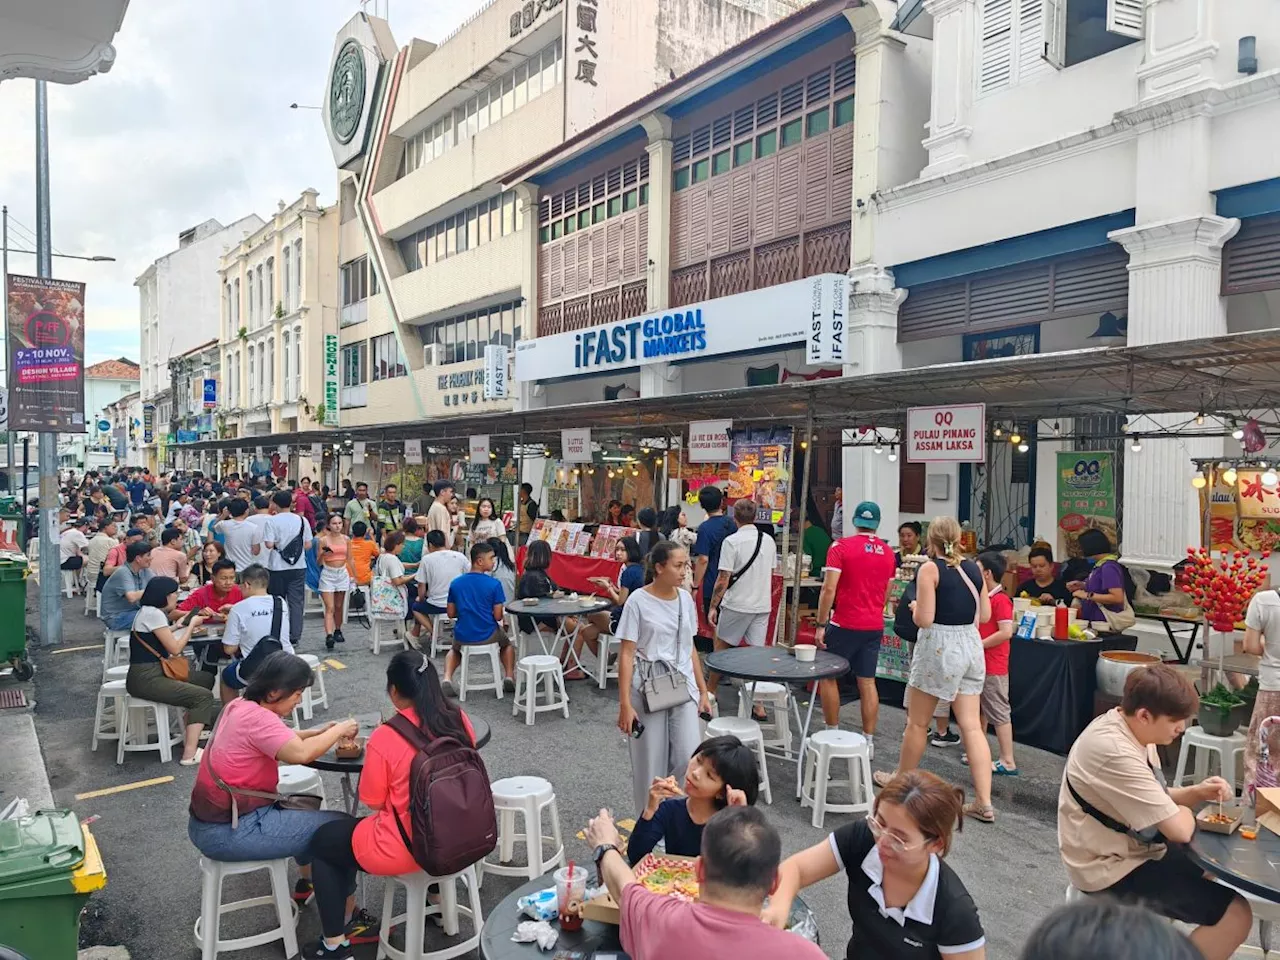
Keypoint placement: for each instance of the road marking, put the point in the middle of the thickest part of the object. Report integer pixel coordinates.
(92, 646)
(336, 664)
(124, 788)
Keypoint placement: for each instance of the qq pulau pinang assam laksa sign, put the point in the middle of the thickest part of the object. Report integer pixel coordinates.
(810, 311)
(951, 434)
(46, 355)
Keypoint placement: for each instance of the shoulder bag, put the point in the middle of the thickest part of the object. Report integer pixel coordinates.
(1118, 621)
(175, 666)
(292, 550)
(386, 600)
(747, 566)
(293, 801)
(662, 685)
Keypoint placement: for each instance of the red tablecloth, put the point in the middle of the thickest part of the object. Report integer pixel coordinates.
(704, 628)
(573, 573)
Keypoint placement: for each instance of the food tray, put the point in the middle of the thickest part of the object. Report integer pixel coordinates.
(1232, 811)
(603, 909)
(352, 752)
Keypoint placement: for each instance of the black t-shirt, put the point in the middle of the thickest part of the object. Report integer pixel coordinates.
(1057, 589)
(954, 925)
(956, 604)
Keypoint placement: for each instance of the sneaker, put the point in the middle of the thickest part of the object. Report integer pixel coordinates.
(319, 951)
(947, 739)
(449, 689)
(328, 641)
(337, 635)
(509, 684)
(303, 891)
(362, 927)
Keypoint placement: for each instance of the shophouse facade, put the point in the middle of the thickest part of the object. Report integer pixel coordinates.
(104, 383)
(1099, 172)
(125, 416)
(178, 298)
(441, 256)
(279, 290)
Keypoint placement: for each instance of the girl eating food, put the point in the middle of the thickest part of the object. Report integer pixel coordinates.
(721, 773)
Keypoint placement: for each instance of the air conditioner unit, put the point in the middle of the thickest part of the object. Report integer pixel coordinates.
(430, 355)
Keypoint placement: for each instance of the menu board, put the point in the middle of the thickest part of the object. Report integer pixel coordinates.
(606, 540)
(562, 536)
(761, 471)
(1086, 497)
(894, 662)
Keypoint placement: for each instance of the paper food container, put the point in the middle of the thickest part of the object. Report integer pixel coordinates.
(1233, 811)
(1267, 808)
(649, 871)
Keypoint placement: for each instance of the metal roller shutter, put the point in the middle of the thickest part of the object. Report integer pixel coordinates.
(1251, 259)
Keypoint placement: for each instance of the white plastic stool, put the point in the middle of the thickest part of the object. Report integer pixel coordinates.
(135, 734)
(817, 753)
(106, 718)
(775, 698)
(396, 627)
(441, 634)
(90, 599)
(211, 907)
(528, 672)
(748, 731)
(604, 673)
(1205, 743)
(312, 603)
(293, 779)
(489, 650)
(417, 909)
(69, 582)
(115, 649)
(315, 695)
(526, 797)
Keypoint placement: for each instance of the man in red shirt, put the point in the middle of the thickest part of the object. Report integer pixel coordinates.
(738, 868)
(216, 597)
(996, 634)
(302, 504)
(855, 586)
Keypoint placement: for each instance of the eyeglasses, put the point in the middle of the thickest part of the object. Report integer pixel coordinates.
(895, 843)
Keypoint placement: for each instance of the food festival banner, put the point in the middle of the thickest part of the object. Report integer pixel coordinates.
(1086, 496)
(772, 317)
(709, 441)
(478, 446)
(951, 434)
(330, 379)
(761, 471)
(46, 355)
(495, 371)
(149, 423)
(413, 451)
(575, 445)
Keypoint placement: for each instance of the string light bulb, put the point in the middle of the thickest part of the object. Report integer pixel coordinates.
(879, 447)
(644, 450)
(1136, 444)
(591, 471)
(893, 454)
(1057, 429)
(1237, 433)
(1229, 475)
(1124, 425)
(1023, 447)
(998, 431)
(1015, 437)
(804, 444)
(1200, 419)
(1198, 481)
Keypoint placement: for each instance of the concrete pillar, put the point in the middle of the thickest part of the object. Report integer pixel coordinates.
(659, 379)
(1174, 282)
(955, 24)
(529, 396)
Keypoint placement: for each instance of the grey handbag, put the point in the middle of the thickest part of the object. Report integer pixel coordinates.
(663, 686)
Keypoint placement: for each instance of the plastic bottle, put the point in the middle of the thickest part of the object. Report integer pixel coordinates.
(1061, 621)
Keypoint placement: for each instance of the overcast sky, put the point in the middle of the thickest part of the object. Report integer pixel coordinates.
(192, 122)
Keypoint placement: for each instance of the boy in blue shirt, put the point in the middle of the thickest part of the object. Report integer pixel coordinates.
(475, 605)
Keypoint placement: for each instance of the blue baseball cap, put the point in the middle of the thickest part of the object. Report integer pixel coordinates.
(867, 515)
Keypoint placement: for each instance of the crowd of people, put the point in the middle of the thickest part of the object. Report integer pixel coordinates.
(169, 555)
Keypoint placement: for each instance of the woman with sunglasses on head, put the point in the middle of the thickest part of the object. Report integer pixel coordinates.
(904, 901)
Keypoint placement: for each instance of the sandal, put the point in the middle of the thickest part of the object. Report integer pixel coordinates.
(1000, 770)
(985, 814)
(576, 675)
(881, 778)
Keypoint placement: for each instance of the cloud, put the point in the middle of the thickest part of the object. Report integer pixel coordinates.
(192, 122)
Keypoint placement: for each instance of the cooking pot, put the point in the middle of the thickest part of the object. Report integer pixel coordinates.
(1114, 667)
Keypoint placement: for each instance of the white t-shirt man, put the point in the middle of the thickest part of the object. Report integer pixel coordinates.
(1264, 616)
(72, 543)
(240, 537)
(752, 591)
(259, 520)
(438, 569)
(250, 620)
(281, 530)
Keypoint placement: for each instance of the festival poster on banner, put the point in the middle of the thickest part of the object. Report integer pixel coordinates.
(761, 471)
(1259, 512)
(46, 355)
(1086, 497)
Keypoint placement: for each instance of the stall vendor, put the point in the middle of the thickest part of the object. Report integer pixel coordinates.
(1044, 584)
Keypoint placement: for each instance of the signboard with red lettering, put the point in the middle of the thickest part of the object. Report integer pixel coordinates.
(951, 434)
(46, 355)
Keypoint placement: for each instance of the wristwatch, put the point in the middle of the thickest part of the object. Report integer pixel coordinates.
(599, 856)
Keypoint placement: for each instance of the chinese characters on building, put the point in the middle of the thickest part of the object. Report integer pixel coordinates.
(588, 55)
(525, 17)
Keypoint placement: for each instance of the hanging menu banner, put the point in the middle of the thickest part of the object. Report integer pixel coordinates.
(357, 452)
(317, 452)
(1086, 496)
(575, 445)
(413, 451)
(709, 441)
(479, 447)
(952, 434)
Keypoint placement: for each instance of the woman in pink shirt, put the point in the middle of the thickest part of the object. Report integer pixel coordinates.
(374, 843)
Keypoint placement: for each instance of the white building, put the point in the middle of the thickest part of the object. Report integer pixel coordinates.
(279, 288)
(1093, 167)
(179, 308)
(125, 416)
(104, 384)
(422, 206)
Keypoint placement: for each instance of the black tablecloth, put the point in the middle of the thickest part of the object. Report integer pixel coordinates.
(1051, 688)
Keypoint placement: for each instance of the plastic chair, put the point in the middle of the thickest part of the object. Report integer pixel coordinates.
(106, 718)
(135, 729)
(526, 797)
(418, 908)
(748, 731)
(817, 753)
(483, 650)
(316, 695)
(207, 931)
(776, 699)
(528, 671)
(1195, 738)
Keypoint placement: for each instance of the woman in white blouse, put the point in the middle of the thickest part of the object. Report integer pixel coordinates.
(487, 524)
(657, 626)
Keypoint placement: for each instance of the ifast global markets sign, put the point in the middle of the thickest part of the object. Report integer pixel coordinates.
(809, 311)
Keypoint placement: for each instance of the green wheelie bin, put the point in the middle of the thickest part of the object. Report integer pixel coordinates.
(49, 865)
(13, 614)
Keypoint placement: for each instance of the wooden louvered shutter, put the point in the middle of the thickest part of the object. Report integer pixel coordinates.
(1251, 259)
(933, 310)
(555, 262)
(719, 198)
(584, 260)
(544, 273)
(680, 228)
(697, 222)
(790, 170)
(630, 246)
(1125, 17)
(1005, 298)
(765, 206)
(1031, 39)
(572, 282)
(613, 253)
(995, 51)
(1092, 283)
(740, 209)
(842, 172)
(597, 255)
(817, 180)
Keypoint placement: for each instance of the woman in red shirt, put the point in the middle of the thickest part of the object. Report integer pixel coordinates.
(374, 844)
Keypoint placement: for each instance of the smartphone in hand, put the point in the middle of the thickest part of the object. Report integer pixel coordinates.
(637, 728)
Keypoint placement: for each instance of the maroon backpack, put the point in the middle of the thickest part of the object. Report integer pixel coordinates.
(450, 802)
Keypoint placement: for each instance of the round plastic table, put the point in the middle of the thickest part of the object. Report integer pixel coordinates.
(779, 665)
(1249, 865)
(564, 608)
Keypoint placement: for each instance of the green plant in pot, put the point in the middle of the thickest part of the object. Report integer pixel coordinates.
(1219, 711)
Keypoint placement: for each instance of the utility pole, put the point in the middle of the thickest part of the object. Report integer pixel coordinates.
(50, 586)
(8, 371)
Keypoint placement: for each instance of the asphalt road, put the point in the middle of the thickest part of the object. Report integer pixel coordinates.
(152, 896)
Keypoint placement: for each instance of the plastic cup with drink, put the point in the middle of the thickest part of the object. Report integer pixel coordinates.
(571, 889)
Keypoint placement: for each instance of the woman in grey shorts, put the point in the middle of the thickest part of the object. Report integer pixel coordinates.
(948, 664)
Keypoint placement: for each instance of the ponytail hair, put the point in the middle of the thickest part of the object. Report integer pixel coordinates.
(944, 540)
(661, 553)
(414, 677)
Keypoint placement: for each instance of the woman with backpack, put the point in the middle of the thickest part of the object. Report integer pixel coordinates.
(379, 844)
